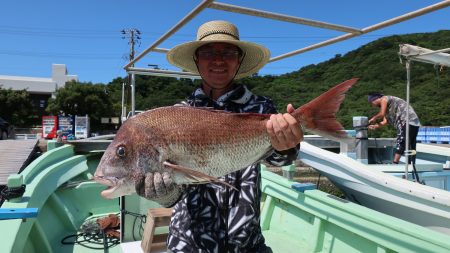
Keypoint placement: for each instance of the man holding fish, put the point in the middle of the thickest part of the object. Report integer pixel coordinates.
(215, 217)
(202, 157)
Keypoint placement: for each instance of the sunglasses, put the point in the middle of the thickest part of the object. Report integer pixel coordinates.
(230, 54)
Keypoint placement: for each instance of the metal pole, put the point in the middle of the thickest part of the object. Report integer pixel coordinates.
(122, 217)
(124, 110)
(162, 72)
(282, 17)
(360, 124)
(133, 90)
(122, 198)
(408, 78)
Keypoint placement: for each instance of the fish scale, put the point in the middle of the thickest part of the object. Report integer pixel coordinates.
(206, 142)
(203, 127)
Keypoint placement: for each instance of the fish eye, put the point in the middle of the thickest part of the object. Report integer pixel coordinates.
(120, 151)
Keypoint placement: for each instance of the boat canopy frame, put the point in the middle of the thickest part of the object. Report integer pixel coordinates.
(212, 4)
(350, 32)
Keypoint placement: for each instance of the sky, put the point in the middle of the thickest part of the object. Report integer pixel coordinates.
(86, 35)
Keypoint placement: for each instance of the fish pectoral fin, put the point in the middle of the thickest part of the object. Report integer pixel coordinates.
(195, 177)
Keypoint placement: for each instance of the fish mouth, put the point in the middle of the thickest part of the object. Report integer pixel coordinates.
(115, 187)
(108, 193)
(111, 182)
(108, 181)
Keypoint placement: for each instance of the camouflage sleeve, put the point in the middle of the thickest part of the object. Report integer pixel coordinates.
(286, 157)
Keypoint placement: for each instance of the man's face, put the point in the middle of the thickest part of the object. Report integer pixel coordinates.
(218, 63)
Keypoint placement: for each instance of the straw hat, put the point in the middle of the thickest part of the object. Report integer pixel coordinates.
(256, 56)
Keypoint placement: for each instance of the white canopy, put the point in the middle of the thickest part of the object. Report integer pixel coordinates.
(421, 54)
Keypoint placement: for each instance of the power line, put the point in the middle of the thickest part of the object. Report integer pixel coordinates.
(106, 34)
(57, 54)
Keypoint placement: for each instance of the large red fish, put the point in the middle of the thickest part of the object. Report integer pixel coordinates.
(197, 145)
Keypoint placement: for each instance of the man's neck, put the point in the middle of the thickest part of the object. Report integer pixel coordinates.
(215, 94)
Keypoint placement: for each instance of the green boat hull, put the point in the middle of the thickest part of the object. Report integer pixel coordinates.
(59, 184)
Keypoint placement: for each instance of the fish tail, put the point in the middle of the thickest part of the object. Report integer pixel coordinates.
(319, 115)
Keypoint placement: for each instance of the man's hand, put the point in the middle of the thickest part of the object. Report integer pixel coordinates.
(284, 130)
(373, 127)
(158, 187)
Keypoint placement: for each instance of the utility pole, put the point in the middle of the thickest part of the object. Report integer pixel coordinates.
(133, 35)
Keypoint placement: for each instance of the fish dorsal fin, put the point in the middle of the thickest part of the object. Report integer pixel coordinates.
(260, 116)
(205, 108)
(210, 109)
(195, 177)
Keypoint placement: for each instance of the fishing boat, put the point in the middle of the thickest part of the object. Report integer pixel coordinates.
(362, 173)
(381, 187)
(61, 209)
(61, 204)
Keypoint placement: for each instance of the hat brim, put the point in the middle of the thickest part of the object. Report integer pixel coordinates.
(256, 56)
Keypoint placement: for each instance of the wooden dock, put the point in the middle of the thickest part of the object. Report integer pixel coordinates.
(14, 156)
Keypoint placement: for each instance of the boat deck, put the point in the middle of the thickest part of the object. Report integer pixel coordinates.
(14, 156)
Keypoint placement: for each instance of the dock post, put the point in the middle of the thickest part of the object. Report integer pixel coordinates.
(360, 124)
(348, 148)
(15, 182)
(289, 171)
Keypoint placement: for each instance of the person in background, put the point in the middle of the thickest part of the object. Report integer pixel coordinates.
(214, 217)
(393, 111)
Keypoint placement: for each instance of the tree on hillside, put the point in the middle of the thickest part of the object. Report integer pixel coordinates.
(16, 107)
(152, 92)
(83, 98)
(114, 91)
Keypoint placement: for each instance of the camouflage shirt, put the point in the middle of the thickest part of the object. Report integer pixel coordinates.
(216, 218)
(396, 113)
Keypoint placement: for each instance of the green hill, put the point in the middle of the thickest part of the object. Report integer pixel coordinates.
(378, 66)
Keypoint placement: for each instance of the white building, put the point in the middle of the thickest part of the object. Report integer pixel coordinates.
(40, 89)
(39, 85)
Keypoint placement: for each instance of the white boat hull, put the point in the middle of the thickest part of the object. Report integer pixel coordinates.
(407, 200)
